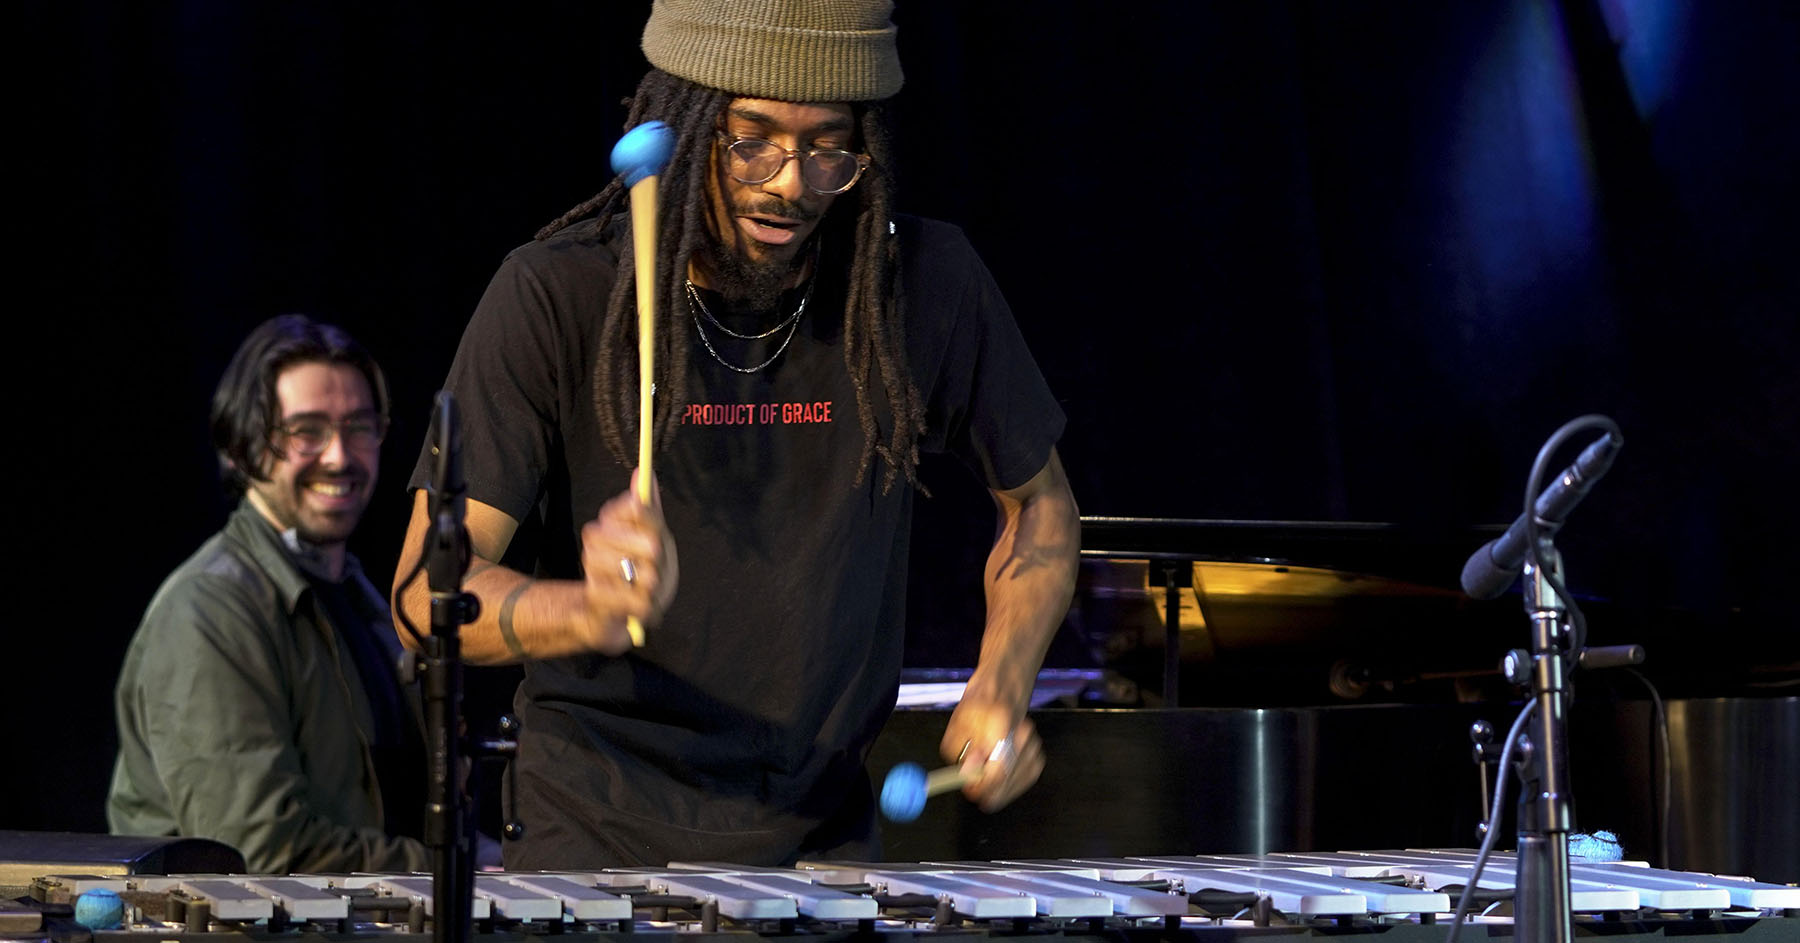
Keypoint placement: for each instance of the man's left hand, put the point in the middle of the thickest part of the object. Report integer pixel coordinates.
(997, 741)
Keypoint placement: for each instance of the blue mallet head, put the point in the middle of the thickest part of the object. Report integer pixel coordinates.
(99, 909)
(643, 151)
(903, 792)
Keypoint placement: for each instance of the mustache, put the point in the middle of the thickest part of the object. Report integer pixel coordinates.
(353, 473)
(776, 206)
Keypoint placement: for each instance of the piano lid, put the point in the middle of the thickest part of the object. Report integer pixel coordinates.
(1431, 555)
(1287, 611)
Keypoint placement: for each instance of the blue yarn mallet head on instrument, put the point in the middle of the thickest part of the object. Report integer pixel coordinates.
(903, 792)
(643, 151)
(99, 909)
(1601, 845)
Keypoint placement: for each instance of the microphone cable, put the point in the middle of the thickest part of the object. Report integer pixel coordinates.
(1577, 620)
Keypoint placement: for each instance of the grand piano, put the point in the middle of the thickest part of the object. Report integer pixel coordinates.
(1256, 686)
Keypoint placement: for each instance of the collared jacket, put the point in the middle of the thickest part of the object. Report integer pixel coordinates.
(242, 717)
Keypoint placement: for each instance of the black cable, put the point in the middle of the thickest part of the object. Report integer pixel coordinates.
(1493, 828)
(1659, 751)
(1577, 620)
(400, 595)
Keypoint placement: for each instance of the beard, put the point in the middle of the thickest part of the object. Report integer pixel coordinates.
(752, 284)
(749, 285)
(282, 498)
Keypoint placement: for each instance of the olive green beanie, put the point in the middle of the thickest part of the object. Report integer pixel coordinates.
(790, 50)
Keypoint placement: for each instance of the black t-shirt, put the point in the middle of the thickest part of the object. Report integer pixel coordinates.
(738, 731)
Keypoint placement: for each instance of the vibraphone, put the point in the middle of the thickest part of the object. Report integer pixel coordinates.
(1400, 896)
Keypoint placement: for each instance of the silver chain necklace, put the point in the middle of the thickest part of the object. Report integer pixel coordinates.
(700, 303)
(697, 307)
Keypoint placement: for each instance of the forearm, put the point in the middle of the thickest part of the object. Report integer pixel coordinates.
(257, 801)
(317, 846)
(1030, 579)
(520, 617)
(222, 742)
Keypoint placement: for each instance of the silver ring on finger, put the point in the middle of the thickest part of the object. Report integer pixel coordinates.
(627, 570)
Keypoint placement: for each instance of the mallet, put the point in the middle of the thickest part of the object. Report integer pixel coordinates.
(639, 156)
(907, 786)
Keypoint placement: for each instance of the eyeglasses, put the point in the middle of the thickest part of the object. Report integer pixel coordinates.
(307, 437)
(823, 170)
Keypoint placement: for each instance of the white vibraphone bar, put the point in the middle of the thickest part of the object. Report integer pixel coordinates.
(1406, 893)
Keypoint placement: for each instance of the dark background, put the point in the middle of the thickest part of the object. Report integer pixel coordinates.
(1283, 260)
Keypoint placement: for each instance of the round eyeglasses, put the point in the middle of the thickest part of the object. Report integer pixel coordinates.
(307, 436)
(824, 170)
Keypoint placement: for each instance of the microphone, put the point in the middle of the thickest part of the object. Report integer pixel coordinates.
(1494, 567)
(446, 551)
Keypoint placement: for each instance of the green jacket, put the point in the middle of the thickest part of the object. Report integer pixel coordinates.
(242, 719)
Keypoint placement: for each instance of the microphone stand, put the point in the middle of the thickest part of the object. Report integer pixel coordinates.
(1542, 910)
(1542, 907)
(449, 825)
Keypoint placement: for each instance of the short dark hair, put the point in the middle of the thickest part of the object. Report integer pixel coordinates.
(245, 406)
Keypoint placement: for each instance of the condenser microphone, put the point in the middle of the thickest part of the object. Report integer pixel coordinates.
(1493, 568)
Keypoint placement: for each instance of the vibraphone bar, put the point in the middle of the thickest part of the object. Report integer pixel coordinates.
(1399, 896)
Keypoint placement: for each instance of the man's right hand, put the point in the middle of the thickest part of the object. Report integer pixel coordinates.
(522, 618)
(631, 570)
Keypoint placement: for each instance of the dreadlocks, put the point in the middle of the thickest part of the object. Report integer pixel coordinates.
(873, 334)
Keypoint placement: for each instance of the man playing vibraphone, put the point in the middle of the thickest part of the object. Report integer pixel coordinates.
(812, 342)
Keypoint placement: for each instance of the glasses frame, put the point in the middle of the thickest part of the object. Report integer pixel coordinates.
(283, 437)
(863, 162)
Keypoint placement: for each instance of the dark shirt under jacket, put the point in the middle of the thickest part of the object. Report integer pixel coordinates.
(243, 718)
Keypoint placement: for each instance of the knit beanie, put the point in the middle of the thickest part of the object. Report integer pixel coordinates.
(789, 50)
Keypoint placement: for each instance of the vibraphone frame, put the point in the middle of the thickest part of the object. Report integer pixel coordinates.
(1393, 897)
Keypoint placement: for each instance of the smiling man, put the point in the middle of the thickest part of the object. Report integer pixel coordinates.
(258, 704)
(811, 343)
